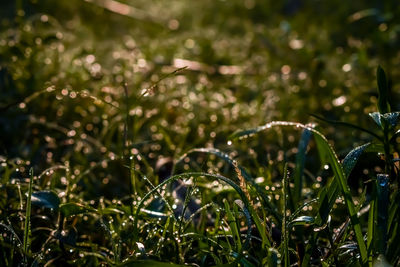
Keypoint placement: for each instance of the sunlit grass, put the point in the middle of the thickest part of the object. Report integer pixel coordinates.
(129, 134)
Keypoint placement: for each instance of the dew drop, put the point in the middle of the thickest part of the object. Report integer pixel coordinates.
(383, 180)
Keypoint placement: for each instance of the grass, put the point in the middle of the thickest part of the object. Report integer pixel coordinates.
(138, 145)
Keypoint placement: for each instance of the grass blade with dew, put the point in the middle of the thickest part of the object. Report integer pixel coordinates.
(349, 162)
(27, 229)
(337, 169)
(16, 238)
(225, 157)
(299, 209)
(285, 237)
(188, 196)
(346, 124)
(152, 87)
(242, 174)
(194, 214)
(352, 157)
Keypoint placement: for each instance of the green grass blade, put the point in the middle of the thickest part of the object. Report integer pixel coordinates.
(300, 208)
(371, 226)
(383, 88)
(382, 218)
(232, 225)
(285, 237)
(302, 220)
(349, 162)
(262, 229)
(342, 182)
(27, 229)
(72, 209)
(391, 119)
(346, 124)
(300, 161)
(225, 157)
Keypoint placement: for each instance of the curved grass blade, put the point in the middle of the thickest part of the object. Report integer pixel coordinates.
(71, 209)
(349, 162)
(393, 139)
(260, 190)
(152, 88)
(15, 238)
(239, 170)
(337, 169)
(391, 118)
(192, 216)
(352, 157)
(302, 220)
(299, 209)
(342, 123)
(46, 199)
(376, 116)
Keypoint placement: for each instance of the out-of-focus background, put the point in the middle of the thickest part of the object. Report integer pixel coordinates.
(63, 65)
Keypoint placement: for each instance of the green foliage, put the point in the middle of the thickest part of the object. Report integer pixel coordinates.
(130, 112)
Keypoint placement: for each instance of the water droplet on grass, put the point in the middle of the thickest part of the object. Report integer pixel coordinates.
(383, 180)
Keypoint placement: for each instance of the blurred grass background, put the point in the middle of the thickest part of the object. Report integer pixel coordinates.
(248, 62)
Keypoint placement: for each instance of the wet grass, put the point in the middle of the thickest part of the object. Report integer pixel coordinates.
(139, 145)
